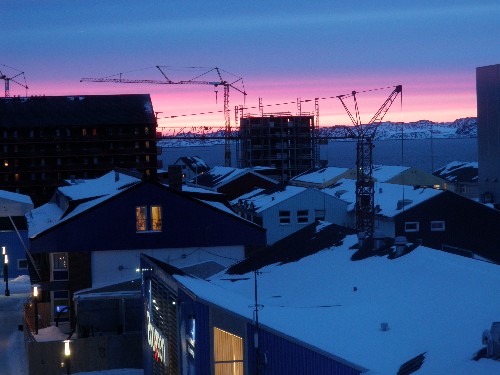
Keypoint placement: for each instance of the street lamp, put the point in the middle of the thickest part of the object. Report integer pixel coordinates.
(67, 356)
(6, 274)
(35, 301)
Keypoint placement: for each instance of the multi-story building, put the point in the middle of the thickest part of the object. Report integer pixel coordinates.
(49, 139)
(284, 142)
(488, 131)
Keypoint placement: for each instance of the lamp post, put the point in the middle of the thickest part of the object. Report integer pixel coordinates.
(35, 301)
(67, 357)
(6, 273)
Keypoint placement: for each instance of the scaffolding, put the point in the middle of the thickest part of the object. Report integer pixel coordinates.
(281, 141)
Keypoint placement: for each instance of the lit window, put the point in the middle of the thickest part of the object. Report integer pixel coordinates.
(156, 218)
(412, 226)
(228, 353)
(148, 220)
(60, 261)
(284, 217)
(302, 216)
(437, 226)
(140, 218)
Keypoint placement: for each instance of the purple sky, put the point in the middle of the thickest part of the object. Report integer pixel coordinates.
(284, 50)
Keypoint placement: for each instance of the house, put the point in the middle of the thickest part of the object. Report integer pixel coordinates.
(48, 139)
(462, 177)
(394, 174)
(92, 233)
(438, 219)
(14, 232)
(191, 166)
(232, 182)
(285, 209)
(319, 177)
(322, 314)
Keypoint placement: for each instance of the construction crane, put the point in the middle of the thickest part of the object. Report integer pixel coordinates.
(194, 81)
(7, 80)
(364, 134)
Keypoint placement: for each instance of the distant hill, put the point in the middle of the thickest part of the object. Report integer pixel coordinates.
(460, 128)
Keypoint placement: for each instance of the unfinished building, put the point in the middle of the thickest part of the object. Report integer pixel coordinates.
(286, 143)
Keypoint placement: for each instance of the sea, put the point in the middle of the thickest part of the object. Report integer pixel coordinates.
(427, 154)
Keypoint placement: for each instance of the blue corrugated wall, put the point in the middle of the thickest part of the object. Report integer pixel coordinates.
(284, 357)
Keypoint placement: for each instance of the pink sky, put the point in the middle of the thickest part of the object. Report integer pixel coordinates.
(429, 97)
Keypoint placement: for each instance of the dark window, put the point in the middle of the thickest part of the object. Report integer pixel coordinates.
(284, 217)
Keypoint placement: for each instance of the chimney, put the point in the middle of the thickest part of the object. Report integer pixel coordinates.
(117, 176)
(175, 177)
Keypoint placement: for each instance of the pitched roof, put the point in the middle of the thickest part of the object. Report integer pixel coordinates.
(458, 171)
(262, 199)
(319, 175)
(79, 197)
(390, 198)
(83, 110)
(219, 176)
(384, 173)
(194, 163)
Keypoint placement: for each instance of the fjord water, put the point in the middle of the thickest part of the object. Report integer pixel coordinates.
(424, 154)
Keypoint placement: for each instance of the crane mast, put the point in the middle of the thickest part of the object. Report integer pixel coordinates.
(195, 81)
(7, 80)
(364, 135)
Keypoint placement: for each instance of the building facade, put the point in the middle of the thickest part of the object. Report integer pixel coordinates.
(46, 140)
(184, 334)
(286, 143)
(488, 131)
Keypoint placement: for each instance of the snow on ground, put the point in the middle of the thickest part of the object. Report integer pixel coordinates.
(433, 302)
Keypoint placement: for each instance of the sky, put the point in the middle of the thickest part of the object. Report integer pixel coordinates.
(282, 50)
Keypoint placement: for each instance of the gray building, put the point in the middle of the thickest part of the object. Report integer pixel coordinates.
(488, 131)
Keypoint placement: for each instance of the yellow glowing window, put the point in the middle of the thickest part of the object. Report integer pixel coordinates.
(156, 218)
(148, 219)
(140, 218)
(228, 353)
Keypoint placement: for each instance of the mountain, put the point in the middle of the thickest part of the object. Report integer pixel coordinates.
(460, 128)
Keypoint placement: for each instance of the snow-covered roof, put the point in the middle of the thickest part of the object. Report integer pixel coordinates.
(432, 302)
(218, 176)
(15, 197)
(459, 171)
(194, 163)
(88, 192)
(389, 198)
(384, 173)
(319, 176)
(262, 199)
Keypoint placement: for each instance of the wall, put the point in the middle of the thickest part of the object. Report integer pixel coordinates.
(90, 354)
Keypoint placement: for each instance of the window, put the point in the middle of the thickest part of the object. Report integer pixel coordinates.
(437, 226)
(59, 266)
(228, 353)
(22, 264)
(148, 220)
(156, 218)
(412, 226)
(319, 215)
(302, 216)
(284, 217)
(60, 261)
